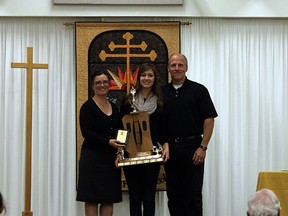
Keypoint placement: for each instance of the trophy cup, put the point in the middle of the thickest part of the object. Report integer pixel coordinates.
(139, 143)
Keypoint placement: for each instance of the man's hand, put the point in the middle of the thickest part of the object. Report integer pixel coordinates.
(199, 156)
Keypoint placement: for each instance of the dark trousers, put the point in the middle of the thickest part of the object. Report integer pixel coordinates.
(142, 181)
(184, 183)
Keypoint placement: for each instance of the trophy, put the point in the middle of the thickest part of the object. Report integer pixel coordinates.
(139, 144)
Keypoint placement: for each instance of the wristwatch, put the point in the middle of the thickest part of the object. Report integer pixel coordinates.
(203, 147)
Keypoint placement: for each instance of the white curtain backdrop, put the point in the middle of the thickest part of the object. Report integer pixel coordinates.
(243, 63)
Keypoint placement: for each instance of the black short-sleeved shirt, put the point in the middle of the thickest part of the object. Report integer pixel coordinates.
(185, 109)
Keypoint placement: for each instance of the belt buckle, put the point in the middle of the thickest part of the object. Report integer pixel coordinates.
(177, 140)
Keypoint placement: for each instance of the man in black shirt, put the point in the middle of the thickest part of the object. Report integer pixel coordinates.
(188, 122)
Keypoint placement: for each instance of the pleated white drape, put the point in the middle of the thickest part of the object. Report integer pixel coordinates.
(243, 63)
(53, 136)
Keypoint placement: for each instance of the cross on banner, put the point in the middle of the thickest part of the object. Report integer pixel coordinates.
(29, 65)
(112, 46)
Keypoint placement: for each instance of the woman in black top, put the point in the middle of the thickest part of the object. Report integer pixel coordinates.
(99, 178)
(142, 179)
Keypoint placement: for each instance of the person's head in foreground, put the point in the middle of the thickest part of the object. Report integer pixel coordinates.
(263, 203)
(2, 206)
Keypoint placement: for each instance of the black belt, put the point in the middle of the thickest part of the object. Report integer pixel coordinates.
(185, 139)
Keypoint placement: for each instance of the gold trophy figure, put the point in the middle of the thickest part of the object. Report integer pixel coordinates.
(139, 143)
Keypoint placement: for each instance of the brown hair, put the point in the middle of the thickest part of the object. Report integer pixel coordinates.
(156, 89)
(92, 78)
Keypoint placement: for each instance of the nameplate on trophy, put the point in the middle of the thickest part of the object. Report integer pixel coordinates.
(141, 160)
(122, 136)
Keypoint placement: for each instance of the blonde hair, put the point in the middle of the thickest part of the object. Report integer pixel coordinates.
(179, 54)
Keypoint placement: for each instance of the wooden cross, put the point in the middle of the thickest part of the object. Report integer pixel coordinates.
(29, 65)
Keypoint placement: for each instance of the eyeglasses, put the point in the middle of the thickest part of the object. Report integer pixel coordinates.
(99, 83)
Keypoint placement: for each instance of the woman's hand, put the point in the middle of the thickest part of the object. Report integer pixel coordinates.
(165, 154)
(118, 158)
(115, 144)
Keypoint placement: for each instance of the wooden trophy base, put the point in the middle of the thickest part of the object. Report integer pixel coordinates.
(139, 143)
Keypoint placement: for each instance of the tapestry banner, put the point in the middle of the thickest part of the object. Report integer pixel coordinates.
(119, 49)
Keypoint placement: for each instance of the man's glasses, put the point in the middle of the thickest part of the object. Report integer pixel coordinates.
(104, 82)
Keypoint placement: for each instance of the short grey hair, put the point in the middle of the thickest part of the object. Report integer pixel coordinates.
(263, 203)
(179, 54)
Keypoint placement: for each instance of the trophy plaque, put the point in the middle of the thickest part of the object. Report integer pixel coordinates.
(122, 136)
(139, 143)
